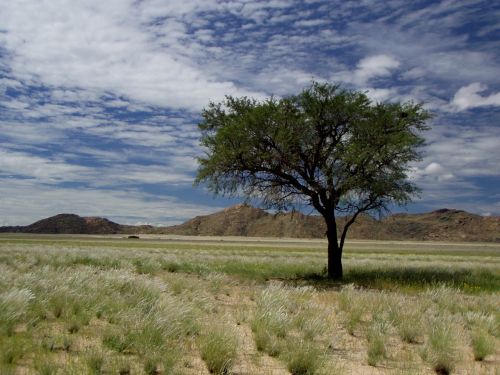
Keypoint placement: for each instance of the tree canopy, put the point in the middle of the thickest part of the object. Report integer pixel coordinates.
(329, 147)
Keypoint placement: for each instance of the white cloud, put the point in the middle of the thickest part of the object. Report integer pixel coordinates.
(434, 168)
(468, 97)
(436, 172)
(369, 68)
(463, 151)
(25, 201)
(380, 95)
(92, 90)
(43, 169)
(177, 169)
(104, 47)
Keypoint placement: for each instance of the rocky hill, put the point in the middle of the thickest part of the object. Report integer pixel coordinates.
(440, 225)
(69, 224)
(245, 220)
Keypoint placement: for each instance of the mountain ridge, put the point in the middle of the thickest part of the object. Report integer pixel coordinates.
(244, 220)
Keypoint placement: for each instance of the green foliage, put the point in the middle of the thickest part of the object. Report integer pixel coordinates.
(327, 146)
(325, 137)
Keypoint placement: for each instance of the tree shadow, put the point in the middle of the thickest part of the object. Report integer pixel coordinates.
(410, 278)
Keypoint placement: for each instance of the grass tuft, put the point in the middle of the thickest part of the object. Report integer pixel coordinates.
(377, 342)
(482, 344)
(12, 349)
(442, 348)
(45, 366)
(95, 361)
(218, 347)
(409, 326)
(303, 358)
(115, 341)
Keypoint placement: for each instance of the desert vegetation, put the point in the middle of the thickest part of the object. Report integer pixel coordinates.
(74, 305)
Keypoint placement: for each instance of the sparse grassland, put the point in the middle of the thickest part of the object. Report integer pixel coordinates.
(90, 305)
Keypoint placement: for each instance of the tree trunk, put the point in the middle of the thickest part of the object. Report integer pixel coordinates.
(334, 251)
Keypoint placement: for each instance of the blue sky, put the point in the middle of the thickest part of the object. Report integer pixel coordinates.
(99, 100)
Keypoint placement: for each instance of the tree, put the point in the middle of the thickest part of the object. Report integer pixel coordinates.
(329, 147)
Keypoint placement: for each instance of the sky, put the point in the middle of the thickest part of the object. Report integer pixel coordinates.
(100, 100)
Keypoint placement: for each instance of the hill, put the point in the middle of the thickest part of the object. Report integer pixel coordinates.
(69, 224)
(245, 220)
(440, 225)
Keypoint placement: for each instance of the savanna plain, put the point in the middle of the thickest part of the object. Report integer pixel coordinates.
(182, 305)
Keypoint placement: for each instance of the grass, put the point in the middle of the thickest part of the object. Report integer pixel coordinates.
(442, 349)
(218, 348)
(417, 278)
(304, 358)
(407, 320)
(45, 366)
(95, 361)
(377, 343)
(482, 344)
(115, 340)
(118, 306)
(12, 350)
(354, 304)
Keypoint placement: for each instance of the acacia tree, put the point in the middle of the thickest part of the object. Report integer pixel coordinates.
(328, 147)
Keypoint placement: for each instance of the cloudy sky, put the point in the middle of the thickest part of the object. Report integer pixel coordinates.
(99, 100)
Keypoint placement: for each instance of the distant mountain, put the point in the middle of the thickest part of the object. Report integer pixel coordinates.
(245, 220)
(441, 225)
(69, 224)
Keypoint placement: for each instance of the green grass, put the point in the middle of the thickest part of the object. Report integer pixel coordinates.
(118, 306)
(218, 348)
(303, 358)
(95, 361)
(377, 343)
(482, 344)
(417, 278)
(442, 349)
